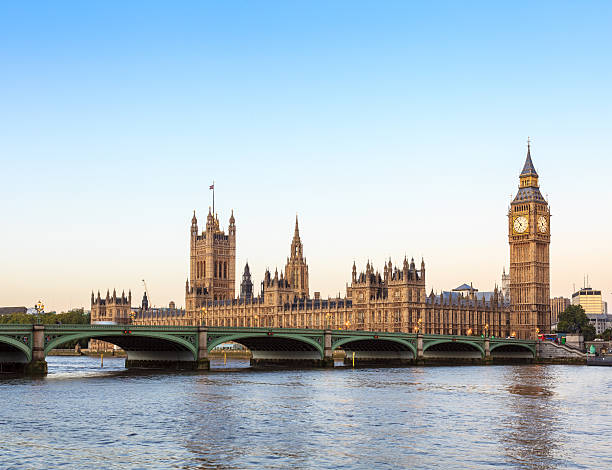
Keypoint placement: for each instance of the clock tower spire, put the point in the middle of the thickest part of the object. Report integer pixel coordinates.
(529, 239)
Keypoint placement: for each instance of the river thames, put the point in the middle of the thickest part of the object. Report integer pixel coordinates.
(81, 416)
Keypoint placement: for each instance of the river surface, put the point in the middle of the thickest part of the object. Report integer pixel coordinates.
(81, 416)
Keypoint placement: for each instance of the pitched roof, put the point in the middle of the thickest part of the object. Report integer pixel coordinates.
(463, 287)
(529, 194)
(528, 168)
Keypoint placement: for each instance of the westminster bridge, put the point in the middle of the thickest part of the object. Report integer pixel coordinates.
(23, 348)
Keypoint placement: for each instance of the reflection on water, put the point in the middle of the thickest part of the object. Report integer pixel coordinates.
(531, 436)
(82, 416)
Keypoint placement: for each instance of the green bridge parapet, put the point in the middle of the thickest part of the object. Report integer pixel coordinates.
(24, 347)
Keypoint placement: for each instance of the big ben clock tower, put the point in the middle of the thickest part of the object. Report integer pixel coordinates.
(529, 238)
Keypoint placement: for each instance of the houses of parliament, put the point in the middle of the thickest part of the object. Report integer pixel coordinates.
(393, 298)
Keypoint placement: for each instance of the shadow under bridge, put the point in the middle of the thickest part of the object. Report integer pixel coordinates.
(144, 347)
(375, 349)
(452, 350)
(14, 350)
(275, 347)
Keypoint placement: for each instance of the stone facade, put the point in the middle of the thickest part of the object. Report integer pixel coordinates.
(558, 306)
(212, 263)
(392, 299)
(529, 238)
(111, 309)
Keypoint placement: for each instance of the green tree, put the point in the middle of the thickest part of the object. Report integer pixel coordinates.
(574, 320)
(17, 318)
(76, 316)
(606, 335)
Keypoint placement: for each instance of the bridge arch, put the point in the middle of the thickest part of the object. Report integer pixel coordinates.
(13, 350)
(380, 343)
(136, 344)
(269, 341)
(513, 349)
(453, 347)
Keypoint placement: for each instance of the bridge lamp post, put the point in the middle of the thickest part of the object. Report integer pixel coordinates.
(327, 317)
(40, 309)
(347, 325)
(487, 329)
(203, 316)
(418, 326)
(469, 332)
(257, 320)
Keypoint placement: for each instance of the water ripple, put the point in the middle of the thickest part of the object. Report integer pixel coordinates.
(81, 416)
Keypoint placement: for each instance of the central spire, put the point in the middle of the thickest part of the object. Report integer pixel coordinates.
(296, 233)
(528, 181)
(528, 168)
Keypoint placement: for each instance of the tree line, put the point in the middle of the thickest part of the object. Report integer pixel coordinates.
(76, 316)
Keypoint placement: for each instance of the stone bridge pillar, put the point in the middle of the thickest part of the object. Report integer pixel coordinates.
(328, 358)
(38, 365)
(419, 347)
(203, 362)
(487, 347)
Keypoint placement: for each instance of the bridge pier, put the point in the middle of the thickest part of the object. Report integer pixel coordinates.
(328, 354)
(487, 359)
(37, 367)
(420, 356)
(203, 362)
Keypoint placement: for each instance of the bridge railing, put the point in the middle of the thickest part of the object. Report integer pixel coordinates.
(5, 326)
(89, 326)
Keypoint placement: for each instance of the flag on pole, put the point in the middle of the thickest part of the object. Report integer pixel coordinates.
(212, 186)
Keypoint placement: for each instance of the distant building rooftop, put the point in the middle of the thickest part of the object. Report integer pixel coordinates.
(10, 310)
(586, 291)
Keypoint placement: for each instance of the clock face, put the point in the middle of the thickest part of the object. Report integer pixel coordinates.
(520, 224)
(542, 224)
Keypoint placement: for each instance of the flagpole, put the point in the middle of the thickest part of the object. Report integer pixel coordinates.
(213, 185)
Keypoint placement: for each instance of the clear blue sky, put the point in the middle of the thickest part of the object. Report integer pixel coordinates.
(391, 128)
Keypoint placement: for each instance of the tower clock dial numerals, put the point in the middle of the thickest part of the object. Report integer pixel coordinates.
(542, 224)
(520, 224)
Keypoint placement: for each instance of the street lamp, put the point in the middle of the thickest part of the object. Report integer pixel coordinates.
(417, 328)
(40, 309)
(257, 320)
(487, 329)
